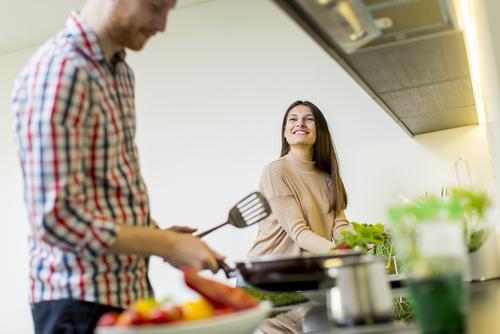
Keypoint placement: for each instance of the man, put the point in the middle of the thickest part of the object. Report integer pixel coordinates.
(91, 230)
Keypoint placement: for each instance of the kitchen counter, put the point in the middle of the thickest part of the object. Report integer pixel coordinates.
(484, 316)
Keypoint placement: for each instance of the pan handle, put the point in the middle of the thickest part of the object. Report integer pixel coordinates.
(230, 272)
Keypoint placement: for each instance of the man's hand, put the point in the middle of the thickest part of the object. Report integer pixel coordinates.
(176, 246)
(184, 250)
(182, 229)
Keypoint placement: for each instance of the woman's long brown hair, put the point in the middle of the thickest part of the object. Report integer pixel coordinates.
(324, 155)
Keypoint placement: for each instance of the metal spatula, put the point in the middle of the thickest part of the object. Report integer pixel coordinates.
(250, 210)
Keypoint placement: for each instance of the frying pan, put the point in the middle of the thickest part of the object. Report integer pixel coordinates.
(286, 273)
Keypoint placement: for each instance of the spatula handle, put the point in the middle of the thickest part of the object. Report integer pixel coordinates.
(204, 233)
(226, 268)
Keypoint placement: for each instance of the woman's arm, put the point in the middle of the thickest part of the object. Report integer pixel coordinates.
(288, 212)
(341, 223)
(291, 218)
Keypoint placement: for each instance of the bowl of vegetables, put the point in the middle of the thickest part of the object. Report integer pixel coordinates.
(220, 309)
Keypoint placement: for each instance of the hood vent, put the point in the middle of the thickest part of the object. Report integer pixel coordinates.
(408, 55)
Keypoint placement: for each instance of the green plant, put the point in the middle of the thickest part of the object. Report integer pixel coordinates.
(277, 298)
(475, 206)
(371, 239)
(476, 239)
(363, 237)
(472, 203)
(403, 310)
(386, 250)
(458, 205)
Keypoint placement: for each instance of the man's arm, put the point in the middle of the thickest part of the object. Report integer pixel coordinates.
(179, 249)
(51, 111)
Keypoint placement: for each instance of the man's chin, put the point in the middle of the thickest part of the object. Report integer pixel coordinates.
(135, 46)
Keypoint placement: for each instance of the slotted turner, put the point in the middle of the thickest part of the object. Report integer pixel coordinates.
(250, 210)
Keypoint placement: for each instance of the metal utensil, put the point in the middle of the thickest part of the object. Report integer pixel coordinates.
(285, 273)
(230, 272)
(250, 210)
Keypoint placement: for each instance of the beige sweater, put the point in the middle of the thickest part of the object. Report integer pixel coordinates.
(299, 199)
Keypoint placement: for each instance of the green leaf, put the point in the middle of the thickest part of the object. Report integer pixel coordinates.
(464, 206)
(276, 298)
(364, 235)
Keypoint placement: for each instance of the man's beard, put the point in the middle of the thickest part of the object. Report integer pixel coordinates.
(128, 36)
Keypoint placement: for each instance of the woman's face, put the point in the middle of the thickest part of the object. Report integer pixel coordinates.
(300, 127)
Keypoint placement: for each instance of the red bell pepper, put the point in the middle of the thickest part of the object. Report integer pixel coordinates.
(219, 295)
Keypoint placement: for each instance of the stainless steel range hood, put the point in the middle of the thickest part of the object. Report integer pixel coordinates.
(408, 55)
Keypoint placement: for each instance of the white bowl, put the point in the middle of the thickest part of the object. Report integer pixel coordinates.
(244, 322)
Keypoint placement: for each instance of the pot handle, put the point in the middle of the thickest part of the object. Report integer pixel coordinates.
(230, 272)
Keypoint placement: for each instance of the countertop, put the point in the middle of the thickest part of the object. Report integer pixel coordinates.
(483, 317)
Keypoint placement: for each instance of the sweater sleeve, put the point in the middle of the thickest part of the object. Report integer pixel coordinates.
(341, 224)
(289, 213)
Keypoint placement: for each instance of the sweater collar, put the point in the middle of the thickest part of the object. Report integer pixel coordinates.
(299, 163)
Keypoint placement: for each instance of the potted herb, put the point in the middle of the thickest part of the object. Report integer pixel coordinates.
(475, 207)
(432, 235)
(460, 205)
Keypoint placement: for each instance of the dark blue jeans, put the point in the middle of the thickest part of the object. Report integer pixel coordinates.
(67, 316)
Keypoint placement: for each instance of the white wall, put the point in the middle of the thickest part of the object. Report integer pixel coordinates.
(16, 317)
(211, 93)
(486, 35)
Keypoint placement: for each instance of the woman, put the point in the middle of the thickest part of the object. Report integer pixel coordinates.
(304, 188)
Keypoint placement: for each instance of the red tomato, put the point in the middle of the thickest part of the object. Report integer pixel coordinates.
(158, 316)
(222, 311)
(175, 313)
(130, 318)
(108, 319)
(163, 316)
(343, 246)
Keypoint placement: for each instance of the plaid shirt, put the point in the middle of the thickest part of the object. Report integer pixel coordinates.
(75, 126)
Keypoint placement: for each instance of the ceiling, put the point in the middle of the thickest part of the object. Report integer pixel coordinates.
(28, 23)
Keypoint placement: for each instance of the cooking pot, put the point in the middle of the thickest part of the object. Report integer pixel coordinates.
(287, 273)
(361, 294)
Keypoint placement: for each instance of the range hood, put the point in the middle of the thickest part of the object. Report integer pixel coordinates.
(408, 55)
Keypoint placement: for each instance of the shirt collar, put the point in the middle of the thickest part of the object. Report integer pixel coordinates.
(86, 40)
